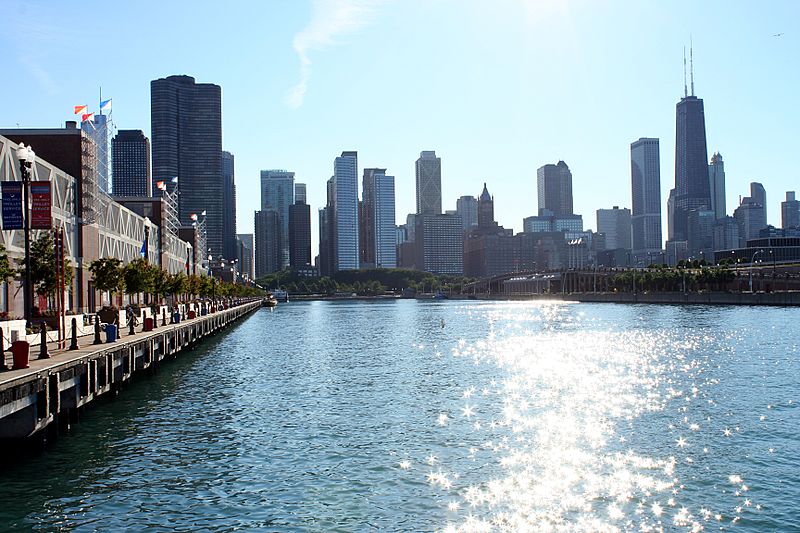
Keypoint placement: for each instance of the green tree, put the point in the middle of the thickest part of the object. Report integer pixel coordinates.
(43, 266)
(178, 284)
(138, 277)
(108, 275)
(6, 271)
(161, 286)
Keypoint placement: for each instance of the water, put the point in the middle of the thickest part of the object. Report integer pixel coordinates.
(424, 416)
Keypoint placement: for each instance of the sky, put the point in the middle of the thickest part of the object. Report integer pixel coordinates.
(496, 88)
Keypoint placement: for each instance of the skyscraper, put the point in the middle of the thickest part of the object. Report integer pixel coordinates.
(228, 207)
(300, 193)
(299, 234)
(692, 190)
(267, 242)
(485, 209)
(759, 196)
(429, 183)
(130, 155)
(186, 129)
(554, 189)
(246, 258)
(277, 192)
(615, 224)
(716, 182)
(467, 209)
(380, 233)
(345, 211)
(790, 211)
(645, 197)
(751, 215)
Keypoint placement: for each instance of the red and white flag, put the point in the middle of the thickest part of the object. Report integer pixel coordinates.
(86, 116)
(80, 109)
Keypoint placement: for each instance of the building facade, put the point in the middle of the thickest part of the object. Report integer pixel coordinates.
(646, 234)
(246, 255)
(716, 183)
(299, 235)
(230, 249)
(467, 209)
(130, 156)
(267, 243)
(439, 244)
(790, 211)
(615, 224)
(186, 129)
(345, 212)
(277, 193)
(379, 242)
(554, 189)
(429, 183)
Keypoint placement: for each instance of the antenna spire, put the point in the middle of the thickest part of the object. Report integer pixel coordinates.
(691, 64)
(685, 90)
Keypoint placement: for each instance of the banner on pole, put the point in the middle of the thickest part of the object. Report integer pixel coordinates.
(41, 217)
(12, 204)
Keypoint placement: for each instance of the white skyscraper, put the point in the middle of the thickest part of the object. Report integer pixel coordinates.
(345, 208)
(716, 181)
(277, 193)
(385, 229)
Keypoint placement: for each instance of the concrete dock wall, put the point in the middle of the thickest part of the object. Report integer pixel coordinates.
(50, 392)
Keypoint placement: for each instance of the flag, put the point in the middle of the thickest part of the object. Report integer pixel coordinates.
(143, 251)
(86, 116)
(193, 216)
(203, 213)
(105, 105)
(161, 185)
(175, 179)
(80, 109)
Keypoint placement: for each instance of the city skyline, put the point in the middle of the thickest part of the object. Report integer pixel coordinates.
(577, 125)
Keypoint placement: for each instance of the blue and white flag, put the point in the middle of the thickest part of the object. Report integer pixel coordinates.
(175, 179)
(105, 105)
(143, 251)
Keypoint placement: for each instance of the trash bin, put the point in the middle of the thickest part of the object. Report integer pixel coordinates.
(192, 314)
(176, 317)
(21, 350)
(203, 311)
(148, 324)
(111, 333)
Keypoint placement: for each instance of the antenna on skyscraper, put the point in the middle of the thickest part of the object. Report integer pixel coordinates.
(691, 64)
(685, 90)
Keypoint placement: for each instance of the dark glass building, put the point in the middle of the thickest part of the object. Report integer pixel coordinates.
(299, 235)
(186, 129)
(646, 197)
(228, 207)
(267, 242)
(130, 160)
(692, 190)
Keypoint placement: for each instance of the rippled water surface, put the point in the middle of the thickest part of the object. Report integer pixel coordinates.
(448, 416)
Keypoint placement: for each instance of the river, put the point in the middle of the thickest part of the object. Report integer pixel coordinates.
(442, 416)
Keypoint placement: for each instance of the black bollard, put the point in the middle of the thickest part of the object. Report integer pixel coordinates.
(73, 345)
(163, 317)
(97, 330)
(2, 352)
(131, 331)
(43, 353)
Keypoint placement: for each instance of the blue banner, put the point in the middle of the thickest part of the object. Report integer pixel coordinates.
(12, 204)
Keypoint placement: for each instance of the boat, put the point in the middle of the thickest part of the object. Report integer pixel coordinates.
(280, 295)
(269, 301)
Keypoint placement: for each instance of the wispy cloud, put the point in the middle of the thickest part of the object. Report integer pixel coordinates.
(330, 19)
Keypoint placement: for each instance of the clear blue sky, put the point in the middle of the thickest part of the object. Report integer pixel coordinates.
(496, 88)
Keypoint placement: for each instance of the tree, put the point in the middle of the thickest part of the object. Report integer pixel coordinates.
(43, 266)
(178, 284)
(138, 277)
(6, 272)
(161, 285)
(108, 275)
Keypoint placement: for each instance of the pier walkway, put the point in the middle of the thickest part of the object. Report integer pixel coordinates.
(50, 392)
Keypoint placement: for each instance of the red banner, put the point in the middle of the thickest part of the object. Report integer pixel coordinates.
(41, 199)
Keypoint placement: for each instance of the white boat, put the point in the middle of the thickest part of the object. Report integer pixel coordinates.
(280, 295)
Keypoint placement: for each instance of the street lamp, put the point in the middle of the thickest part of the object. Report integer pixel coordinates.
(26, 157)
(751, 267)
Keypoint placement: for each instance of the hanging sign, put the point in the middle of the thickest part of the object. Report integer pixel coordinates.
(12, 204)
(41, 217)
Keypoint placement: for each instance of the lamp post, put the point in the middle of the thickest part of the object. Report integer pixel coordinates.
(751, 267)
(26, 157)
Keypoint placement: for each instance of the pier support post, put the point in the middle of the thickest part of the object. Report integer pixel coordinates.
(73, 345)
(97, 330)
(43, 353)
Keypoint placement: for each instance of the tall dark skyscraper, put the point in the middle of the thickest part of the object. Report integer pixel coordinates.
(186, 124)
(267, 242)
(228, 207)
(485, 209)
(646, 198)
(692, 190)
(130, 155)
(554, 189)
(299, 234)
